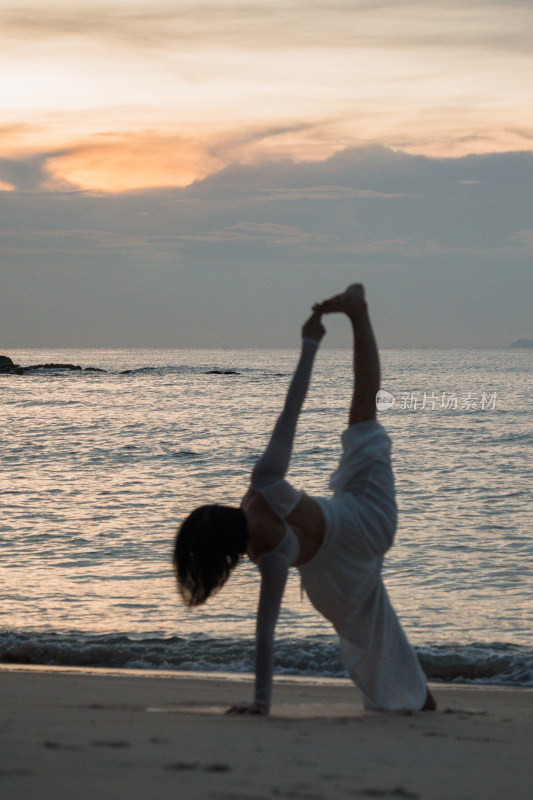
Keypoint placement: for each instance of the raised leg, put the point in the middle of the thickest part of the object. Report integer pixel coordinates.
(366, 357)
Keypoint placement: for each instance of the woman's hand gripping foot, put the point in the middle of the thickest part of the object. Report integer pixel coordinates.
(350, 302)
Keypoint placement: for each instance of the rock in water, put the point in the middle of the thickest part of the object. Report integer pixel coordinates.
(7, 366)
(54, 366)
(222, 372)
(5, 363)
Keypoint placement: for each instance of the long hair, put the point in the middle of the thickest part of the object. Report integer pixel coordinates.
(209, 544)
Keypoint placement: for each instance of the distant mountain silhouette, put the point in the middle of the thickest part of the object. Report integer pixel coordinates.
(523, 343)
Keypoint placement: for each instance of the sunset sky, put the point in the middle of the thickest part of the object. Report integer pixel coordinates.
(196, 174)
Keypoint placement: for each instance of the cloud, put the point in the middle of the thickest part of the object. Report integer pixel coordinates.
(360, 200)
(241, 82)
(126, 161)
(121, 162)
(328, 193)
(71, 242)
(252, 233)
(523, 238)
(443, 245)
(393, 24)
(24, 173)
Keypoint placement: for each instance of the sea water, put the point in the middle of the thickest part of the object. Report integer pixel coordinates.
(98, 469)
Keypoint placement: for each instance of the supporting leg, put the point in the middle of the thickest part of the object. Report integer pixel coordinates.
(366, 358)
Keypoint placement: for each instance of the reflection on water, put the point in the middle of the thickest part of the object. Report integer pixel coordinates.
(99, 468)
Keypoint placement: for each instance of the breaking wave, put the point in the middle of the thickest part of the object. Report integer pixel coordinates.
(495, 663)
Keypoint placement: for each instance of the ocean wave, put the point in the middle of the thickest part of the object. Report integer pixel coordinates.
(496, 663)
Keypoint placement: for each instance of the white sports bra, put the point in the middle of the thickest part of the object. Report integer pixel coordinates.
(283, 499)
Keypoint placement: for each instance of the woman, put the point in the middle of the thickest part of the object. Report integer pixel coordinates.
(337, 543)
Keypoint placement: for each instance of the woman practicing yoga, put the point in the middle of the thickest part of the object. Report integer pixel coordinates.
(337, 543)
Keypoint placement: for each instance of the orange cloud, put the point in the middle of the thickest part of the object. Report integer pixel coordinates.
(124, 162)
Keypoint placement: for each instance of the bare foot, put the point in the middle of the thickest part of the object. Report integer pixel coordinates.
(430, 704)
(350, 302)
(248, 708)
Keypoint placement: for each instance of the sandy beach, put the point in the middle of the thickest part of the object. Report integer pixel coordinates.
(71, 733)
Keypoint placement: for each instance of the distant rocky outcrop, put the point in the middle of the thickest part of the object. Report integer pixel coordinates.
(222, 372)
(523, 343)
(8, 367)
(72, 367)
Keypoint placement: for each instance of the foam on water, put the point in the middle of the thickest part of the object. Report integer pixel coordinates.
(317, 656)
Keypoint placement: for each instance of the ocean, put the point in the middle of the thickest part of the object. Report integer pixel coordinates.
(98, 469)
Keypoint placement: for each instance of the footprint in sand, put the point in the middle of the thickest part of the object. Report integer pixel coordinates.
(217, 768)
(60, 746)
(398, 791)
(15, 773)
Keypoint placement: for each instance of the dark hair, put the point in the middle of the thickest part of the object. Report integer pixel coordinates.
(209, 544)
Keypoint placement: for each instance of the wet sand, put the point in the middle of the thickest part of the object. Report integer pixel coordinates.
(76, 734)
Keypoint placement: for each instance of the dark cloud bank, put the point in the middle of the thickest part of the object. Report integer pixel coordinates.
(445, 247)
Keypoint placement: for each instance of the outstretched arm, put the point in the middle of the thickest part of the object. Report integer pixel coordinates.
(274, 462)
(274, 566)
(274, 569)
